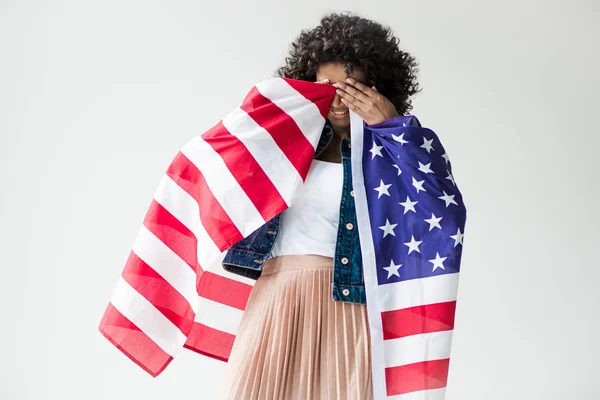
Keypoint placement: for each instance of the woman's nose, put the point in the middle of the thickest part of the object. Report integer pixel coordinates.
(337, 101)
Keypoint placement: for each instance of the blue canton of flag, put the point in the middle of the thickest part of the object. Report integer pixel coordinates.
(420, 233)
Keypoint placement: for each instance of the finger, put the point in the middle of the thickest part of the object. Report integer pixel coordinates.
(363, 88)
(347, 96)
(323, 81)
(374, 88)
(356, 109)
(354, 106)
(352, 91)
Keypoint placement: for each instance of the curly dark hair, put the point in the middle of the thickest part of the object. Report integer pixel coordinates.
(357, 43)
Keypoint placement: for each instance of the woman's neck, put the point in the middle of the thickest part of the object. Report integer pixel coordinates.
(341, 133)
(332, 151)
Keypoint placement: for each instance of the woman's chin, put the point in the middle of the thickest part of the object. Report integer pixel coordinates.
(340, 122)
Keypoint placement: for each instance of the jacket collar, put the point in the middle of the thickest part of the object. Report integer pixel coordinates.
(325, 139)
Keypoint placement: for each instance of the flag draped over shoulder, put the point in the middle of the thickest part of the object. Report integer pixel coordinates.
(411, 219)
(226, 183)
(219, 188)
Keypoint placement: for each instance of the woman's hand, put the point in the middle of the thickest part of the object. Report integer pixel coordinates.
(365, 101)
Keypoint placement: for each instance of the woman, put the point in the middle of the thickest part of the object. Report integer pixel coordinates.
(304, 332)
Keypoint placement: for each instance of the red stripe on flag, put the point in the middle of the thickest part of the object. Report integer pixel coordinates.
(224, 290)
(416, 320)
(282, 128)
(210, 342)
(134, 343)
(321, 95)
(241, 164)
(159, 293)
(173, 234)
(215, 220)
(418, 376)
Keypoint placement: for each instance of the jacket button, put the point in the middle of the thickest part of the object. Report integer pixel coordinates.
(352, 193)
(349, 226)
(344, 260)
(345, 292)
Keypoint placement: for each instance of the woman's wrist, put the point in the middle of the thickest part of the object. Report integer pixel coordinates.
(388, 122)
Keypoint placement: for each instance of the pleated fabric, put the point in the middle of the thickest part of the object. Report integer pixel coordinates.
(295, 341)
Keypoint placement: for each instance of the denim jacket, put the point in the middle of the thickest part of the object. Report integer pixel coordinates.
(248, 256)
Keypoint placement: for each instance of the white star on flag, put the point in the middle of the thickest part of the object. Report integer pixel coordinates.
(376, 150)
(399, 139)
(438, 262)
(451, 178)
(388, 228)
(449, 199)
(413, 245)
(392, 269)
(409, 205)
(398, 168)
(382, 189)
(458, 238)
(425, 168)
(427, 145)
(445, 157)
(418, 184)
(434, 222)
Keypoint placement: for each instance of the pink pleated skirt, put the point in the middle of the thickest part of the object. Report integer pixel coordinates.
(296, 342)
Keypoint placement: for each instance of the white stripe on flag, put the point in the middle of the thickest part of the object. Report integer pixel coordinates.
(185, 208)
(224, 186)
(218, 316)
(167, 264)
(432, 394)
(418, 292)
(417, 348)
(145, 316)
(304, 112)
(368, 257)
(265, 151)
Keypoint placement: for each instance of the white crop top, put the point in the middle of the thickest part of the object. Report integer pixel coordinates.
(310, 225)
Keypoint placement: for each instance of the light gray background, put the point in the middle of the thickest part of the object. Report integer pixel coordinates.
(96, 97)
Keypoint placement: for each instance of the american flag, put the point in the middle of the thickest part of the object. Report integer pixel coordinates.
(411, 220)
(219, 188)
(173, 292)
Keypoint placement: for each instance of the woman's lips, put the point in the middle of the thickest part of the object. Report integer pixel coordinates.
(335, 115)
